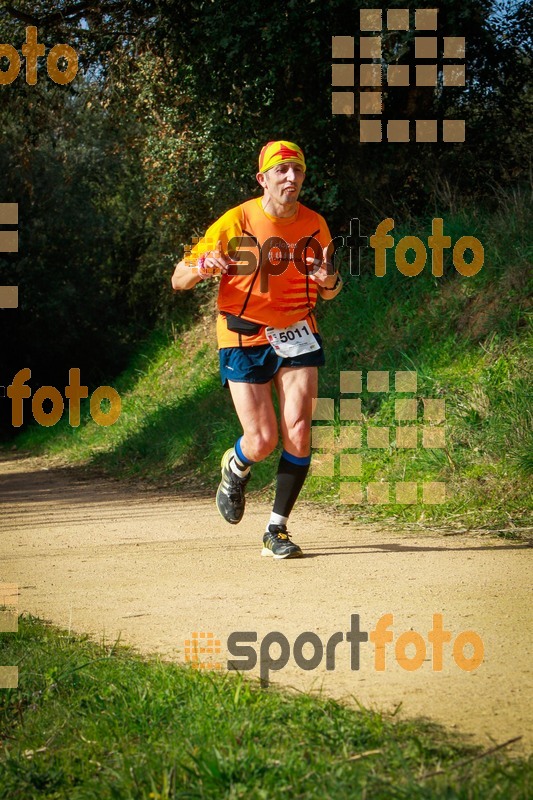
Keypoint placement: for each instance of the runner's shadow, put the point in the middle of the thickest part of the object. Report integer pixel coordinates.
(392, 547)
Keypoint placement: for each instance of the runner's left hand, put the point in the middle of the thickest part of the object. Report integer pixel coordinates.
(323, 273)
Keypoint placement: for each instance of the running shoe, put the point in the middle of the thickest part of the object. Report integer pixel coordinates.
(230, 498)
(276, 543)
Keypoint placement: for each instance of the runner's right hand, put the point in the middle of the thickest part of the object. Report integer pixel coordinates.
(214, 263)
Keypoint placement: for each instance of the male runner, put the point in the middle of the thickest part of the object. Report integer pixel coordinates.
(266, 330)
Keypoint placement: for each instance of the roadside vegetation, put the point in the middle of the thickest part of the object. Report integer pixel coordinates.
(98, 721)
(116, 172)
(468, 339)
(113, 175)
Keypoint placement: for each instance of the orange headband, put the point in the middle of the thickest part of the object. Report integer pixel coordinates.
(275, 153)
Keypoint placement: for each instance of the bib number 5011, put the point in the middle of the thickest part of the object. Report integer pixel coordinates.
(290, 335)
(292, 341)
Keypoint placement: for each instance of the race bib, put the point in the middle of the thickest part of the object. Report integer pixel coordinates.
(292, 341)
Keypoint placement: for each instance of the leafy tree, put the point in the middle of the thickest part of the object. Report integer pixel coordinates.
(160, 131)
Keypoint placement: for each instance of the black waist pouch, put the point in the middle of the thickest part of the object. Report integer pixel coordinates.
(242, 326)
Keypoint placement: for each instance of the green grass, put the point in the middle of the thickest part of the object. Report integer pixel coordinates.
(97, 721)
(468, 339)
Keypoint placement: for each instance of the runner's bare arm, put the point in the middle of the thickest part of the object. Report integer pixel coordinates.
(184, 277)
(329, 283)
(331, 286)
(213, 263)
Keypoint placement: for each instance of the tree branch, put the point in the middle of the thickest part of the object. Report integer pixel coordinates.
(469, 760)
(71, 13)
(21, 15)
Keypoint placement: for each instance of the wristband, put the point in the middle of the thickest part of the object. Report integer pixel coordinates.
(332, 288)
(200, 268)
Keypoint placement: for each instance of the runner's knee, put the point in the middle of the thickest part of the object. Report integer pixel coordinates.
(299, 437)
(261, 444)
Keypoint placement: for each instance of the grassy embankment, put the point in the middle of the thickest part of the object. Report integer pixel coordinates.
(467, 339)
(96, 721)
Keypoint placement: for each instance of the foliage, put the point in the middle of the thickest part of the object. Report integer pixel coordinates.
(96, 721)
(467, 338)
(159, 133)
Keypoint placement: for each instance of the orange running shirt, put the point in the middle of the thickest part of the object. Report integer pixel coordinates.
(287, 297)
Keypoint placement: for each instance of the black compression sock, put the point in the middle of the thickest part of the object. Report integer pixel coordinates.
(292, 472)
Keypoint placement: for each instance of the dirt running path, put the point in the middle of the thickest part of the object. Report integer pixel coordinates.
(96, 557)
